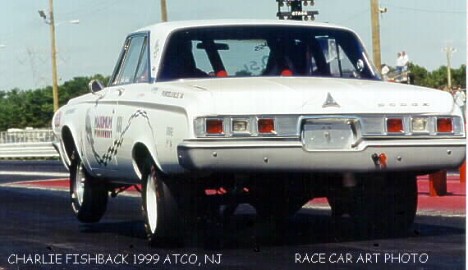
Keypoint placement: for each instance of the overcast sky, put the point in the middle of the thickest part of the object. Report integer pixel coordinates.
(420, 27)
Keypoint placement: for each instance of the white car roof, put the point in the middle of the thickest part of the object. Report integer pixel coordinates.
(168, 27)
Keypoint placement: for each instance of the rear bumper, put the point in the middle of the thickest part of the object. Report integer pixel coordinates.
(401, 155)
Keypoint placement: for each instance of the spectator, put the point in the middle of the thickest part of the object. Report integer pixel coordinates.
(405, 60)
(460, 98)
(399, 63)
(385, 70)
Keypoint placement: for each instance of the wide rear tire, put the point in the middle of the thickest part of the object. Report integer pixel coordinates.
(276, 198)
(380, 205)
(160, 209)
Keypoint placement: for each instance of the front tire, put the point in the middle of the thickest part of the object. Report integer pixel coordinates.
(160, 209)
(88, 195)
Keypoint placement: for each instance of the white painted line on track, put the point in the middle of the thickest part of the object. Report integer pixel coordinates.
(446, 213)
(51, 174)
(15, 185)
(33, 184)
(421, 212)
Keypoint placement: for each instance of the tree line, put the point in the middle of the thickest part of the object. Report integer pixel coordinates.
(34, 107)
(438, 78)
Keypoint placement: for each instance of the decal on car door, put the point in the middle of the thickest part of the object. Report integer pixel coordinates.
(105, 158)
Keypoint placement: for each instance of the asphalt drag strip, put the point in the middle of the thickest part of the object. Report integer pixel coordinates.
(451, 205)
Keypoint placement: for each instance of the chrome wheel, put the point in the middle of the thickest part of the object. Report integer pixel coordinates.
(151, 202)
(79, 185)
(88, 195)
(160, 209)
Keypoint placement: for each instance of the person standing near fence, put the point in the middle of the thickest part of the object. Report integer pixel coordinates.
(404, 60)
(399, 63)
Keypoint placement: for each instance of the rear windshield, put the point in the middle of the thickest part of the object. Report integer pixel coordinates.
(245, 51)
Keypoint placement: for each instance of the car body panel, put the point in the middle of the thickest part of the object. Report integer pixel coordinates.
(107, 126)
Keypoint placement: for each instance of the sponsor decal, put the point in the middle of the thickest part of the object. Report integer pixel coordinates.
(119, 124)
(103, 127)
(171, 94)
(105, 124)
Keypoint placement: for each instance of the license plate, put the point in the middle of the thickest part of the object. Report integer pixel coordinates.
(328, 134)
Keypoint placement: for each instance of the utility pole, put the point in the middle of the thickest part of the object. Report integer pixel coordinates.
(375, 21)
(163, 11)
(53, 55)
(51, 22)
(449, 50)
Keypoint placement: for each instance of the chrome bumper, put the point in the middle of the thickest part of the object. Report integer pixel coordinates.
(399, 155)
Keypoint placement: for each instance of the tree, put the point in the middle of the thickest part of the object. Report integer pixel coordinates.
(437, 78)
(418, 74)
(459, 77)
(34, 108)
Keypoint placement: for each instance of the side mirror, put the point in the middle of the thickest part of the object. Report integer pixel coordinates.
(95, 86)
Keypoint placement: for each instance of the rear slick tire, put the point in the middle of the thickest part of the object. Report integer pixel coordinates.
(380, 205)
(160, 209)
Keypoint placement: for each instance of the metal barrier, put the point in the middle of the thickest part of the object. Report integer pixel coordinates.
(28, 143)
(26, 136)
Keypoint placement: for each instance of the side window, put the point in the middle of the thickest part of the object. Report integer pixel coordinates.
(133, 64)
(142, 74)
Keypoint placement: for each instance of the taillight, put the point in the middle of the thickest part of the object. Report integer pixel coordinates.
(444, 125)
(395, 125)
(266, 126)
(214, 126)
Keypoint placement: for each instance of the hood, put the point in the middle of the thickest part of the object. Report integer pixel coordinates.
(301, 95)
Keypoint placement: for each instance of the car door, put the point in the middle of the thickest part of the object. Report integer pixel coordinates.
(105, 138)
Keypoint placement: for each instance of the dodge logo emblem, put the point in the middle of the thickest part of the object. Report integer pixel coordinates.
(330, 102)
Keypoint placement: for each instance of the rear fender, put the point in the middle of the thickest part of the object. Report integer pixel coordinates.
(141, 153)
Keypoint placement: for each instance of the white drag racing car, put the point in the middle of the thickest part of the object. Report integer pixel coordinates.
(270, 113)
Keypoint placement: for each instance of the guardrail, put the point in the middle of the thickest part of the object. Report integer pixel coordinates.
(27, 144)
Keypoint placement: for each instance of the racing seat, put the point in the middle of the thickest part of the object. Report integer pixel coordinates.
(279, 65)
(222, 73)
(279, 60)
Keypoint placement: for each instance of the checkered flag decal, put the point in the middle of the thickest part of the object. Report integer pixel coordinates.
(112, 150)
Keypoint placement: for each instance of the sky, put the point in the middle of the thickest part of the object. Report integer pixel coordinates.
(422, 28)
